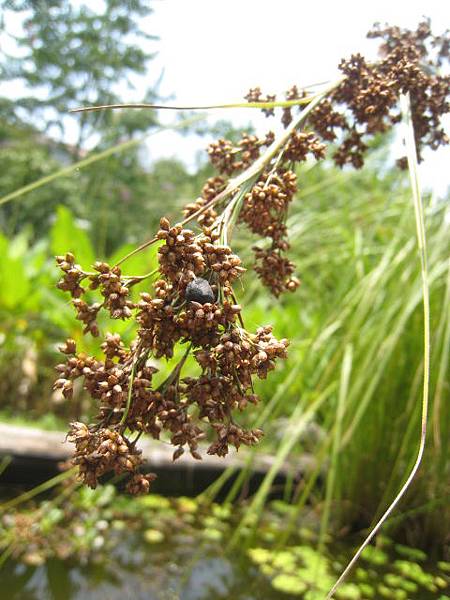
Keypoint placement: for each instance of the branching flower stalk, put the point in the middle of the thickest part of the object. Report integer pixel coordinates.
(192, 302)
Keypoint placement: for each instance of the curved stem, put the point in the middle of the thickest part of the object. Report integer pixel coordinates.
(261, 105)
(92, 159)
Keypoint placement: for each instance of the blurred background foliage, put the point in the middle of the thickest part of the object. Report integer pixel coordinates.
(356, 318)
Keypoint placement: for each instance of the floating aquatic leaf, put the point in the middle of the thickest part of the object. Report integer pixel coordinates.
(267, 570)
(444, 566)
(187, 505)
(153, 536)
(290, 584)
(221, 511)
(411, 553)
(260, 556)
(213, 535)
(361, 574)
(415, 572)
(367, 590)
(348, 591)
(441, 582)
(155, 502)
(285, 561)
(375, 556)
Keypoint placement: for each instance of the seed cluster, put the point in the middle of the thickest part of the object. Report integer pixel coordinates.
(192, 305)
(365, 102)
(264, 211)
(212, 187)
(104, 450)
(229, 159)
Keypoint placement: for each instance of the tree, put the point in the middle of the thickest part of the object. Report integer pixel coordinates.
(70, 55)
(66, 54)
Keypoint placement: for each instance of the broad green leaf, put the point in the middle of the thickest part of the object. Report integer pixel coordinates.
(66, 236)
(14, 284)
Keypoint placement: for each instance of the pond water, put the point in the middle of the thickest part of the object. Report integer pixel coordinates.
(180, 571)
(137, 572)
(101, 545)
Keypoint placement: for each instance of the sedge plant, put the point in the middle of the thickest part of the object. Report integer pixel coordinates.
(193, 303)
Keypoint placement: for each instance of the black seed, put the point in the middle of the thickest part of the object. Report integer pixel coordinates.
(199, 291)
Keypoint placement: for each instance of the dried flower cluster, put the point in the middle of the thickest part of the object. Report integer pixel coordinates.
(366, 100)
(363, 104)
(229, 159)
(193, 304)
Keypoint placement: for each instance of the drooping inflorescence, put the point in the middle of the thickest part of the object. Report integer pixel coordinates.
(192, 304)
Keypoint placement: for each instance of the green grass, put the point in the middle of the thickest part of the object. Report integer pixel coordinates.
(362, 289)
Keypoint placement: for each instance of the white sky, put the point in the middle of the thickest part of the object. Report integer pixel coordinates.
(215, 49)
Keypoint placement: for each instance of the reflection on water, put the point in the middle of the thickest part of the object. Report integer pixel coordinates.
(136, 572)
(158, 548)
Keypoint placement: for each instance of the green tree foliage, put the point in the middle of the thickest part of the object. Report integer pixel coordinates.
(26, 156)
(71, 55)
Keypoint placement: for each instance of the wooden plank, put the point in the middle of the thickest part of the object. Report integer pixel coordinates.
(36, 454)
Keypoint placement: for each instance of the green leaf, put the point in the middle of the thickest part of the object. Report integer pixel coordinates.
(67, 237)
(289, 584)
(14, 285)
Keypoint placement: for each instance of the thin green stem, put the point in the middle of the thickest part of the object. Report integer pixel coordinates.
(4, 463)
(331, 477)
(91, 160)
(130, 393)
(43, 487)
(6, 554)
(260, 105)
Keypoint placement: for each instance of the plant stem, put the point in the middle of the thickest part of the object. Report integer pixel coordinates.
(43, 487)
(261, 105)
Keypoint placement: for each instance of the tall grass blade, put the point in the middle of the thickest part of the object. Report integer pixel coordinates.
(331, 477)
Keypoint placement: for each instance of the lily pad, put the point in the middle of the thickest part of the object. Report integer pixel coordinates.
(154, 501)
(153, 536)
(289, 584)
(374, 556)
(444, 566)
(367, 590)
(348, 591)
(411, 553)
(260, 556)
(413, 571)
(285, 561)
(187, 505)
(212, 535)
(441, 582)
